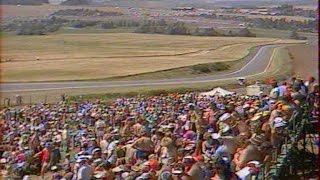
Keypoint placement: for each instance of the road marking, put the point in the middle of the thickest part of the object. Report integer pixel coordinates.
(270, 60)
(253, 59)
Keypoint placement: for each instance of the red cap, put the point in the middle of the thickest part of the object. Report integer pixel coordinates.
(198, 158)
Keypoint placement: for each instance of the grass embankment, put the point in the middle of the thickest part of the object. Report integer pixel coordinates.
(279, 69)
(276, 33)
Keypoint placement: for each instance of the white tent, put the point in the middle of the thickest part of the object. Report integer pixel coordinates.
(216, 91)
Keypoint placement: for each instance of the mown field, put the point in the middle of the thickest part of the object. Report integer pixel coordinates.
(104, 55)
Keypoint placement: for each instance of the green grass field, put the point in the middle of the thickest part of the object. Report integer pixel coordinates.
(276, 33)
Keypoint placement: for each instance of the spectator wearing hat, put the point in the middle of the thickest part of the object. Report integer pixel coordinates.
(68, 174)
(85, 171)
(275, 92)
(104, 143)
(127, 129)
(143, 144)
(111, 155)
(44, 156)
(178, 172)
(243, 143)
(96, 153)
(222, 150)
(166, 168)
(55, 155)
(196, 119)
(100, 126)
(109, 174)
(313, 90)
(242, 128)
(222, 169)
(277, 131)
(265, 127)
(168, 149)
(309, 82)
(255, 123)
(34, 141)
(55, 174)
(251, 152)
(66, 139)
(166, 175)
(137, 127)
(208, 146)
(266, 149)
(303, 87)
(229, 145)
(282, 89)
(93, 144)
(197, 170)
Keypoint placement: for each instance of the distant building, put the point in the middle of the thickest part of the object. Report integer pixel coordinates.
(242, 25)
(260, 12)
(254, 12)
(183, 9)
(242, 11)
(56, 2)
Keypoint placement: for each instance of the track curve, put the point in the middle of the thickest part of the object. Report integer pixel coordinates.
(257, 65)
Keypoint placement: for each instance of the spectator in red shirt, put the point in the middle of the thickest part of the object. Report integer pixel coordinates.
(44, 156)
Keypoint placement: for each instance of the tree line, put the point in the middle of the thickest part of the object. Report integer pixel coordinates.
(41, 27)
(45, 26)
(269, 23)
(85, 13)
(290, 10)
(180, 28)
(34, 27)
(283, 24)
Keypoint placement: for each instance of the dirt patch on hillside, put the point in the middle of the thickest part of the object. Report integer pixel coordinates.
(305, 60)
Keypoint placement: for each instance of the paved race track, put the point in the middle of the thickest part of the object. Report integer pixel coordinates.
(257, 65)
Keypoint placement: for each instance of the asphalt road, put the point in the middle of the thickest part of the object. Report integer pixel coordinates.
(257, 65)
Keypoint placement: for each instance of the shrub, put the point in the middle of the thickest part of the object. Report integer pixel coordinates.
(201, 68)
(219, 66)
(208, 68)
(245, 33)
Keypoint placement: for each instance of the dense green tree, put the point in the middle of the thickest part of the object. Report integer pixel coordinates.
(245, 33)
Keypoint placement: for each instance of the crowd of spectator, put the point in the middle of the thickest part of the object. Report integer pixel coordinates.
(177, 136)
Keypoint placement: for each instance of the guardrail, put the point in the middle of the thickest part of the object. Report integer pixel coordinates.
(296, 127)
(22, 100)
